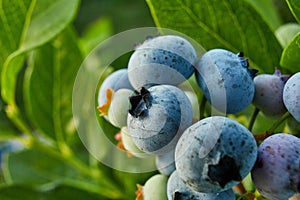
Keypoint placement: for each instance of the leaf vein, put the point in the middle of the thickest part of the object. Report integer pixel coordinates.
(197, 21)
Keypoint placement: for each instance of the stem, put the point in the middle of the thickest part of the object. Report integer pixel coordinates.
(278, 122)
(253, 118)
(14, 115)
(262, 136)
(272, 129)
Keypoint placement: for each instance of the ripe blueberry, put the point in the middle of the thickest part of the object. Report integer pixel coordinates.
(291, 96)
(165, 59)
(215, 154)
(157, 118)
(225, 79)
(276, 172)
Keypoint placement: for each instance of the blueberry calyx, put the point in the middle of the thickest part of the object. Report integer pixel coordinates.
(283, 77)
(180, 196)
(139, 103)
(240, 54)
(252, 72)
(148, 38)
(225, 171)
(245, 63)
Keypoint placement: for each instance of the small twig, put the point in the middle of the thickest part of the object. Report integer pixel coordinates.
(262, 136)
(253, 118)
(278, 122)
(270, 131)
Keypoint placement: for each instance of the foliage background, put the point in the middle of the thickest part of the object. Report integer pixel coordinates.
(43, 43)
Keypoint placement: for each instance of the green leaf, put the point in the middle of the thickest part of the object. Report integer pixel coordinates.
(26, 25)
(18, 192)
(29, 23)
(12, 20)
(268, 11)
(130, 180)
(25, 192)
(49, 105)
(48, 18)
(286, 33)
(294, 6)
(228, 24)
(290, 56)
(33, 167)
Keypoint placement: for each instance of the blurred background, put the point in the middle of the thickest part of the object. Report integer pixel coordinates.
(120, 15)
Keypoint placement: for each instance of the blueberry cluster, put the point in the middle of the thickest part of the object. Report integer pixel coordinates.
(202, 158)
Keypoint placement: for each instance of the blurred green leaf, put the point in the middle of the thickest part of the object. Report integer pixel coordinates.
(96, 32)
(294, 6)
(19, 192)
(229, 24)
(286, 32)
(12, 19)
(25, 192)
(36, 168)
(9, 75)
(33, 167)
(268, 11)
(49, 82)
(290, 56)
(26, 25)
(263, 123)
(48, 18)
(130, 180)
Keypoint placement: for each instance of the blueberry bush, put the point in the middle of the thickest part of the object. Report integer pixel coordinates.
(43, 44)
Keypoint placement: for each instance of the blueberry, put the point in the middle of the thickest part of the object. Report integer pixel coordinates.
(157, 118)
(165, 163)
(276, 174)
(165, 59)
(268, 93)
(119, 106)
(112, 83)
(291, 95)
(129, 145)
(225, 79)
(154, 188)
(177, 190)
(215, 154)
